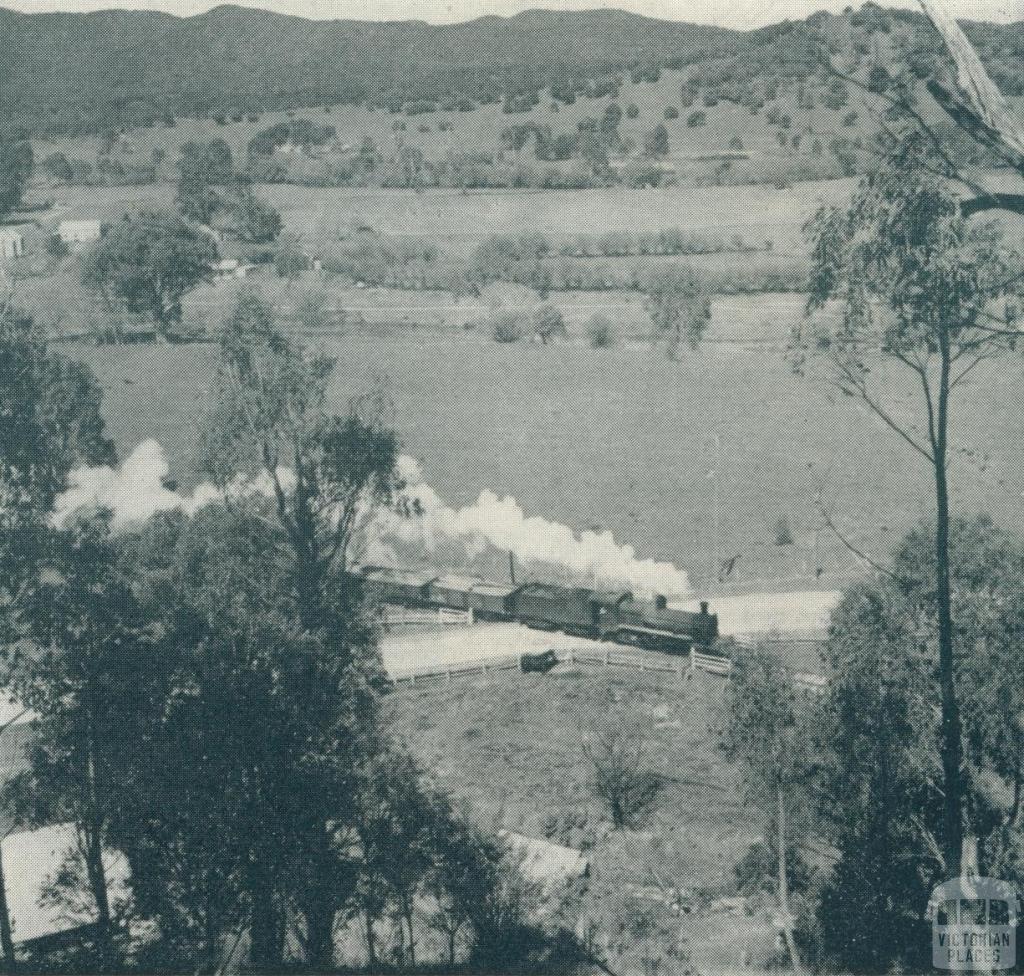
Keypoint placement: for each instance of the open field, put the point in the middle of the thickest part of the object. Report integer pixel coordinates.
(626, 440)
(511, 747)
(456, 221)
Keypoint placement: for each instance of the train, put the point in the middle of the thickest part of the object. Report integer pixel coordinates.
(608, 615)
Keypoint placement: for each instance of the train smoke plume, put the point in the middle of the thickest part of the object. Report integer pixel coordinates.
(137, 490)
(502, 524)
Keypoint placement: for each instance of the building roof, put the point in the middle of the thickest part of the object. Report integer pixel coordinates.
(551, 591)
(494, 589)
(407, 577)
(11, 234)
(545, 863)
(462, 584)
(31, 860)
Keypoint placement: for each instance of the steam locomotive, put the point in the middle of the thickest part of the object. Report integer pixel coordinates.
(615, 616)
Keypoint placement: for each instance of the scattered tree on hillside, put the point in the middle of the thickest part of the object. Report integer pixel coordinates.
(57, 167)
(290, 260)
(679, 306)
(656, 145)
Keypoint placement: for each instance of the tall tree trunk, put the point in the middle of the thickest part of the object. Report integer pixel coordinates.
(97, 875)
(10, 961)
(951, 747)
(93, 830)
(371, 939)
(787, 918)
(320, 937)
(407, 912)
(266, 949)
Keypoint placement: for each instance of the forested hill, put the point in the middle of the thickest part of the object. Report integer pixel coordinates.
(77, 73)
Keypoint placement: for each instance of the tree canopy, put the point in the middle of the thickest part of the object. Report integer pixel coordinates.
(147, 263)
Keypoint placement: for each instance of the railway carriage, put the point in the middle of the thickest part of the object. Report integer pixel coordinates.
(492, 601)
(401, 586)
(453, 591)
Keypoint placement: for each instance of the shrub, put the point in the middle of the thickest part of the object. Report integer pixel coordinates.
(671, 112)
(697, 119)
(507, 327)
(632, 111)
(548, 323)
(600, 331)
(783, 533)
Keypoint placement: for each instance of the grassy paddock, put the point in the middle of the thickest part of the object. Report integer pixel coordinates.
(624, 439)
(525, 732)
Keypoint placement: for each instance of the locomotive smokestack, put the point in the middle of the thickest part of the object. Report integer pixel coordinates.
(661, 602)
(512, 567)
(703, 608)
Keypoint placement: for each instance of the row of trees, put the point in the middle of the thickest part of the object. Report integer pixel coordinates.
(222, 727)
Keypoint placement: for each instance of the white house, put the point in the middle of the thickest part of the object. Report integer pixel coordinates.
(12, 244)
(80, 231)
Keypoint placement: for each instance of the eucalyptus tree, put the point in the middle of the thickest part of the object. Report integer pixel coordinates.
(326, 476)
(920, 288)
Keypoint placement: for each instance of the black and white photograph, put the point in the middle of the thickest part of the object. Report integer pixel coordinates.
(511, 487)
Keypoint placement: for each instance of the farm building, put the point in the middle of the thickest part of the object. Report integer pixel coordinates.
(228, 268)
(79, 232)
(12, 244)
(32, 860)
(544, 863)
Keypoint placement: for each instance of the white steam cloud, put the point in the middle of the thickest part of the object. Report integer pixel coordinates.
(502, 523)
(137, 490)
(133, 493)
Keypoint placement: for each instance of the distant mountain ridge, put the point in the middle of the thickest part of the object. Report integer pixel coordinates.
(75, 73)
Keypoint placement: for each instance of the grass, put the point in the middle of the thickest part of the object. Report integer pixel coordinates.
(624, 439)
(480, 130)
(525, 733)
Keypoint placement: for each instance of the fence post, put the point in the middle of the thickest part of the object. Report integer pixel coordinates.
(693, 661)
(607, 656)
(470, 620)
(679, 668)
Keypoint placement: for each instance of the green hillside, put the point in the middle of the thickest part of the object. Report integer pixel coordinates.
(70, 73)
